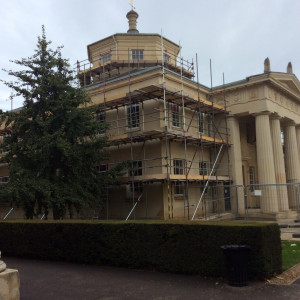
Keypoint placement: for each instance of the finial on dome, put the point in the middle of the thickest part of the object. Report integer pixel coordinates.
(131, 4)
(132, 16)
(267, 67)
(289, 68)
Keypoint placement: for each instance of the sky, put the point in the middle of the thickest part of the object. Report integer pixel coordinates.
(236, 35)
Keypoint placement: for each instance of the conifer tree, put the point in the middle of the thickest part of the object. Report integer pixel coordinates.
(54, 145)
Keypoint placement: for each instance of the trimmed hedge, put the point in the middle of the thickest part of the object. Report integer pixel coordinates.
(185, 247)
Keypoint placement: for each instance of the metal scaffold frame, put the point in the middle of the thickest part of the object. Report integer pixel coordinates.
(104, 73)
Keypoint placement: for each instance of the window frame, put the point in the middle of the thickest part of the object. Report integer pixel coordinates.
(133, 116)
(178, 166)
(102, 168)
(4, 150)
(252, 178)
(201, 118)
(136, 168)
(179, 189)
(4, 179)
(106, 57)
(134, 191)
(137, 54)
(203, 168)
(176, 115)
(167, 58)
(100, 117)
(136, 187)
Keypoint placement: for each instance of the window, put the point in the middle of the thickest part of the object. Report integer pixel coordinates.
(207, 190)
(136, 187)
(136, 168)
(251, 178)
(134, 191)
(175, 115)
(179, 189)
(137, 54)
(201, 122)
(4, 149)
(166, 57)
(101, 117)
(210, 130)
(4, 179)
(102, 168)
(106, 57)
(203, 168)
(133, 115)
(178, 165)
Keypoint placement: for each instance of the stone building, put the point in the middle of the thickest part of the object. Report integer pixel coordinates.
(191, 149)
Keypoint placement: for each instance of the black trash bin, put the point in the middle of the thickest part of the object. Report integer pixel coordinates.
(237, 260)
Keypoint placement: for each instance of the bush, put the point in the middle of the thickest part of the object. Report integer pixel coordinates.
(184, 247)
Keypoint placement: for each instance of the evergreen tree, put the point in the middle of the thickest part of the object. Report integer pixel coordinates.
(54, 145)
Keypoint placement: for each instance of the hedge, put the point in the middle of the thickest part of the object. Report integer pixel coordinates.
(183, 247)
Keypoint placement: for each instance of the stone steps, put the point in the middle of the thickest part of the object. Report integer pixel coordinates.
(290, 230)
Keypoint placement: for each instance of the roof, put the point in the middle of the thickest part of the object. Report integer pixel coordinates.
(134, 35)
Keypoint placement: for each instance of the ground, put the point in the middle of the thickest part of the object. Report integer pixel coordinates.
(287, 277)
(63, 281)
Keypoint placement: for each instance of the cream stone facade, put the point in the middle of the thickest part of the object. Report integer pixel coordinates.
(266, 112)
(193, 152)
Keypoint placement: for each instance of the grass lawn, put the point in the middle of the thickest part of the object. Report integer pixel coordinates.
(290, 254)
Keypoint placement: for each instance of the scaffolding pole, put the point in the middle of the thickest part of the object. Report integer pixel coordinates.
(184, 134)
(133, 208)
(167, 96)
(206, 184)
(170, 204)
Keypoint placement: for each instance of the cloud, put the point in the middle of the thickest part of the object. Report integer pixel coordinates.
(237, 35)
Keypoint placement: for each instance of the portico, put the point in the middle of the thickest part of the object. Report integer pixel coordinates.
(265, 111)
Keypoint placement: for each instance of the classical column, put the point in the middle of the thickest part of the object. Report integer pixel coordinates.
(235, 156)
(265, 164)
(282, 194)
(291, 161)
(298, 139)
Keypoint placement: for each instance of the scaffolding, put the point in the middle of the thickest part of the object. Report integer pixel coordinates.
(161, 114)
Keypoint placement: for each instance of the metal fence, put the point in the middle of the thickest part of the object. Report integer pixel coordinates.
(251, 201)
(271, 198)
(218, 201)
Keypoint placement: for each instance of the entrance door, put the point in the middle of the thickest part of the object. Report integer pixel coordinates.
(227, 196)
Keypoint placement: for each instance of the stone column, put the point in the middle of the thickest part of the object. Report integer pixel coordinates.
(298, 139)
(282, 194)
(291, 161)
(265, 164)
(235, 156)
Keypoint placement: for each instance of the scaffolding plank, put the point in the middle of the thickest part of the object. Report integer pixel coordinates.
(173, 177)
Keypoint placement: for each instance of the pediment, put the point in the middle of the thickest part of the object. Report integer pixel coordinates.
(289, 82)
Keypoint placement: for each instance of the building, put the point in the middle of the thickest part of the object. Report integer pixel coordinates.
(194, 152)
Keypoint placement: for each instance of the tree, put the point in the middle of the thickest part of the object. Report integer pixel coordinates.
(54, 145)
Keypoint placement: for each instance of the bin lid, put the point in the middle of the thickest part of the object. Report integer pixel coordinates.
(235, 247)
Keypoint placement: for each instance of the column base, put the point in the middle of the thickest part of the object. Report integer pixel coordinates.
(256, 214)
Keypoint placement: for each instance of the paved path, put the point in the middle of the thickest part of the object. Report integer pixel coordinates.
(44, 280)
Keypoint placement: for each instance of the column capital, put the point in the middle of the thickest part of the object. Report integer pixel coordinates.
(262, 113)
(275, 117)
(232, 117)
(290, 123)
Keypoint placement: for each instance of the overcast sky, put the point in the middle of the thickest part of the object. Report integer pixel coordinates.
(237, 35)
